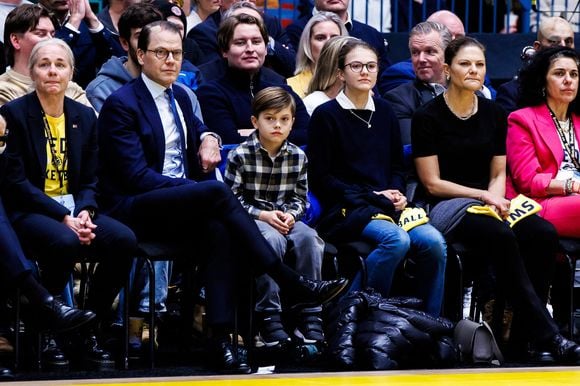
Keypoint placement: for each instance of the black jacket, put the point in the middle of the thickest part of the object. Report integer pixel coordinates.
(28, 149)
(366, 331)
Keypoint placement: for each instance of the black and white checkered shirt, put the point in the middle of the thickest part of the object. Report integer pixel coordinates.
(264, 183)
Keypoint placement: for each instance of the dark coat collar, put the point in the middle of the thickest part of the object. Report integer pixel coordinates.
(37, 134)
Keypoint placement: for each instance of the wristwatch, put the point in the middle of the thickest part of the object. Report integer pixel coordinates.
(212, 134)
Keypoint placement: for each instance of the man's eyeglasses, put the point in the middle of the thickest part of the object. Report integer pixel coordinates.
(358, 66)
(163, 54)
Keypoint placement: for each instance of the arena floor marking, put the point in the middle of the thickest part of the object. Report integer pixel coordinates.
(475, 377)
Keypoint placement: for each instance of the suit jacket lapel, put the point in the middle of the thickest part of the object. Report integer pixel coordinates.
(149, 109)
(74, 143)
(37, 132)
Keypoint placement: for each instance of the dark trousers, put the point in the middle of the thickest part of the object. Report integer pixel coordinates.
(13, 263)
(56, 248)
(532, 240)
(219, 231)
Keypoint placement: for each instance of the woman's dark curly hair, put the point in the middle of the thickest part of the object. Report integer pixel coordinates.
(532, 78)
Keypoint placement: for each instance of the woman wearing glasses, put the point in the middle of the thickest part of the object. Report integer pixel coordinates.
(52, 196)
(325, 84)
(356, 170)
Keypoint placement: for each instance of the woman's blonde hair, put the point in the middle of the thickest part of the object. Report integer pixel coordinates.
(304, 60)
(326, 71)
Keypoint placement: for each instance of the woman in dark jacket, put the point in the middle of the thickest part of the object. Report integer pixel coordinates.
(52, 196)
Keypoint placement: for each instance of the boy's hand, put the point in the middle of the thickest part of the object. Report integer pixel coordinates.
(288, 220)
(276, 219)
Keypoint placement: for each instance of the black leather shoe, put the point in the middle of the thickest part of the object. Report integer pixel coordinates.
(52, 357)
(316, 292)
(55, 316)
(95, 357)
(564, 350)
(540, 357)
(227, 361)
(6, 374)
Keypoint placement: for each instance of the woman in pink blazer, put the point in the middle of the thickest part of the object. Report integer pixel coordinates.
(542, 141)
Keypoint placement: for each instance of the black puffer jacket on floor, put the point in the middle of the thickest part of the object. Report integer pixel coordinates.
(366, 331)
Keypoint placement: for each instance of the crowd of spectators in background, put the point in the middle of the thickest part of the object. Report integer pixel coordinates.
(114, 128)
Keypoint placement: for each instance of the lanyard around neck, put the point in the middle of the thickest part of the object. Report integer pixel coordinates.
(569, 143)
(59, 165)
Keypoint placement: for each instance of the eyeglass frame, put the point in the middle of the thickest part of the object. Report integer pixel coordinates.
(363, 65)
(157, 51)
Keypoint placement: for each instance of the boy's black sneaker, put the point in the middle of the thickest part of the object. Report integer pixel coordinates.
(309, 328)
(271, 332)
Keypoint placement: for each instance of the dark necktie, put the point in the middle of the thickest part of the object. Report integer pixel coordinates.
(177, 120)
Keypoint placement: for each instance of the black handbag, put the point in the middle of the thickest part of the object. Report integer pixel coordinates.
(476, 343)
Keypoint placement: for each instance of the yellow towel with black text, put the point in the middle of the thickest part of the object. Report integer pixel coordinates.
(412, 217)
(409, 219)
(520, 208)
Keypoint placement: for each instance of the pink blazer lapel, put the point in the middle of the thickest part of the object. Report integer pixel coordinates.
(544, 125)
(576, 120)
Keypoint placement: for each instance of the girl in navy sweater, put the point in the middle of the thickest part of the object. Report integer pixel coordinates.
(356, 170)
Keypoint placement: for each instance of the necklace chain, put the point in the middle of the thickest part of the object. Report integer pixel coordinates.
(368, 123)
(462, 117)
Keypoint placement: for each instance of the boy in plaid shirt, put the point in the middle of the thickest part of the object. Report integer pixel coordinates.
(268, 175)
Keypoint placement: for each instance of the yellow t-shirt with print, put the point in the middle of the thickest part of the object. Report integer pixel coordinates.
(56, 179)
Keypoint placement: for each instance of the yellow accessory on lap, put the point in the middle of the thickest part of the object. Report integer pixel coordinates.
(380, 216)
(409, 219)
(412, 217)
(484, 210)
(520, 208)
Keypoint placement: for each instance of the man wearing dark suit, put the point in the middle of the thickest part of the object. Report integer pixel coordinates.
(403, 72)
(152, 146)
(356, 29)
(508, 94)
(427, 43)
(281, 55)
